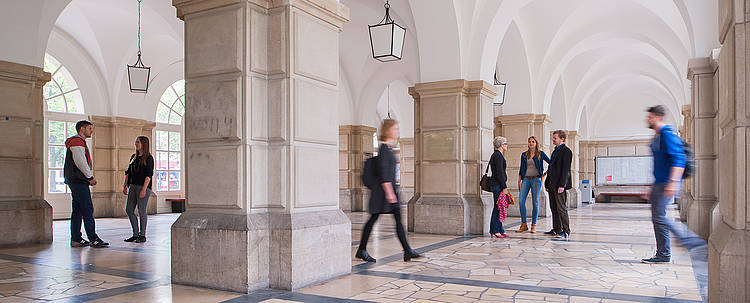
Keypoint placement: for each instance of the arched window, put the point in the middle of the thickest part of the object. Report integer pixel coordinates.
(168, 139)
(64, 105)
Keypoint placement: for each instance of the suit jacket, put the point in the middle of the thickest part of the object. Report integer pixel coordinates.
(558, 174)
(498, 166)
(386, 171)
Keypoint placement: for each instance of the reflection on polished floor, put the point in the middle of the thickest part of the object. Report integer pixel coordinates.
(598, 264)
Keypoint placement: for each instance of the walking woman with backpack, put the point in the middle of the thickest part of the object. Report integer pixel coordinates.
(384, 198)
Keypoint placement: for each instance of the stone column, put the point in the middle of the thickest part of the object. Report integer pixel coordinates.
(113, 143)
(407, 168)
(25, 218)
(729, 245)
(703, 137)
(517, 129)
(453, 142)
(574, 194)
(686, 133)
(355, 145)
(261, 134)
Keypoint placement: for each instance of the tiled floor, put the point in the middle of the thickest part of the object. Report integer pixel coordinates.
(598, 264)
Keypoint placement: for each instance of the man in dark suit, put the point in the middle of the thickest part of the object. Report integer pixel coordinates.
(558, 181)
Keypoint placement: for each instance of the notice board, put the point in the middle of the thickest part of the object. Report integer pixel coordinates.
(625, 170)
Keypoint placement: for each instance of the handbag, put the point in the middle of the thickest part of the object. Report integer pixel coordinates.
(484, 183)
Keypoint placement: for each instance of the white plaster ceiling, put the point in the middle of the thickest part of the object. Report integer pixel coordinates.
(585, 56)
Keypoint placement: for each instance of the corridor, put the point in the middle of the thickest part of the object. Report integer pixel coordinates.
(600, 263)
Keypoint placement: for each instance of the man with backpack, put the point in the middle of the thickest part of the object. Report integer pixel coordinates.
(670, 163)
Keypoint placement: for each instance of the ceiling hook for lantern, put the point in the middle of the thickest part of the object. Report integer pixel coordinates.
(139, 73)
(388, 97)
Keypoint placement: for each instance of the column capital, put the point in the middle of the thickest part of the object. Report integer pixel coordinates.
(698, 66)
(357, 128)
(523, 118)
(16, 72)
(329, 10)
(452, 87)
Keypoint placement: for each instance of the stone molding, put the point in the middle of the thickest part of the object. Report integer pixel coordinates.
(330, 11)
(16, 72)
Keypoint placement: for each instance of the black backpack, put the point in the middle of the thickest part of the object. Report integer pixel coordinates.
(370, 172)
(689, 157)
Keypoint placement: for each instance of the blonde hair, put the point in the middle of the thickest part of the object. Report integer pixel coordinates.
(385, 127)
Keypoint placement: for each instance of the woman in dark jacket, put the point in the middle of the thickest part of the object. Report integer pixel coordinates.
(384, 199)
(498, 184)
(138, 188)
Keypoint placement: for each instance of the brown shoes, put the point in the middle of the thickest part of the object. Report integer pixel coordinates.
(533, 228)
(523, 228)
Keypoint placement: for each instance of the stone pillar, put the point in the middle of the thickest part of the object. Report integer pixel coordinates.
(729, 245)
(702, 187)
(261, 136)
(517, 129)
(25, 217)
(453, 142)
(407, 168)
(574, 194)
(355, 144)
(113, 143)
(686, 133)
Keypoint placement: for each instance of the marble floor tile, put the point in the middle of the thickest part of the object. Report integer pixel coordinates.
(600, 261)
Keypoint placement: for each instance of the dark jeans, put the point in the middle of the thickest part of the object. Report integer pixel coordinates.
(558, 203)
(496, 227)
(83, 209)
(396, 211)
(662, 224)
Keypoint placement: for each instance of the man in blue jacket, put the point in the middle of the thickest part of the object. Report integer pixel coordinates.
(669, 165)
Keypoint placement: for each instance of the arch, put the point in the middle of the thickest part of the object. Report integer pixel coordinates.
(440, 47)
(513, 69)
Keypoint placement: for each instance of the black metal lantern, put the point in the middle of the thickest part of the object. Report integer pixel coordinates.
(138, 73)
(500, 99)
(387, 38)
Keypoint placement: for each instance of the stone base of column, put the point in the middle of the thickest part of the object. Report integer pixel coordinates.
(112, 205)
(700, 217)
(683, 204)
(448, 215)
(515, 211)
(246, 252)
(728, 260)
(353, 199)
(574, 198)
(25, 222)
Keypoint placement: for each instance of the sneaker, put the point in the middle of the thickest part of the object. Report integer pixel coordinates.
(131, 239)
(99, 243)
(562, 235)
(140, 239)
(80, 243)
(550, 232)
(656, 259)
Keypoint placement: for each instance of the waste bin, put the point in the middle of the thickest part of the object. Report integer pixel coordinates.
(586, 191)
(178, 205)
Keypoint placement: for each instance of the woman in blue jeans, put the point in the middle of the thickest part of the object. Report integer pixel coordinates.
(498, 184)
(530, 179)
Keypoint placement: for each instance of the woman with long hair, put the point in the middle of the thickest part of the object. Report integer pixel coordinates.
(138, 187)
(498, 185)
(530, 179)
(384, 199)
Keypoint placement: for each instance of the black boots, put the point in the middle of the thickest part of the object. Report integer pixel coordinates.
(362, 254)
(411, 254)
